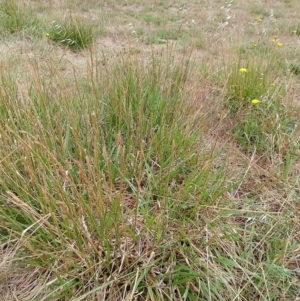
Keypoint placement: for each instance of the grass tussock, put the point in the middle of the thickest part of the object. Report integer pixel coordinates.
(16, 18)
(254, 102)
(98, 179)
(74, 33)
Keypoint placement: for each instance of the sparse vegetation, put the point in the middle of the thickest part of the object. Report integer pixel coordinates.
(155, 172)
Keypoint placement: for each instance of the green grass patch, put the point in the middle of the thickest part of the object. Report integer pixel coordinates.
(75, 33)
(262, 124)
(267, 127)
(295, 69)
(247, 81)
(16, 18)
(105, 176)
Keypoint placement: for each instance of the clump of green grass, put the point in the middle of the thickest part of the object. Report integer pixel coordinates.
(265, 127)
(74, 33)
(15, 18)
(262, 124)
(247, 81)
(103, 183)
(295, 69)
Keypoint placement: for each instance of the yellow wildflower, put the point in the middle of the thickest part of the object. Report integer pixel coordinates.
(47, 34)
(258, 19)
(243, 70)
(294, 31)
(255, 101)
(279, 44)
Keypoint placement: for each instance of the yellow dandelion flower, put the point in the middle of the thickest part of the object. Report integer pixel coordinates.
(243, 70)
(47, 34)
(258, 19)
(273, 85)
(255, 101)
(279, 44)
(254, 45)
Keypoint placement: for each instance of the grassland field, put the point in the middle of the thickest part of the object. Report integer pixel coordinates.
(149, 150)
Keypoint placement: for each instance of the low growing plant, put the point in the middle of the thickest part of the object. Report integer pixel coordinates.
(247, 81)
(295, 69)
(74, 33)
(264, 126)
(100, 187)
(16, 18)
